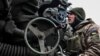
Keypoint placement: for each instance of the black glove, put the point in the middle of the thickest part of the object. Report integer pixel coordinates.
(10, 27)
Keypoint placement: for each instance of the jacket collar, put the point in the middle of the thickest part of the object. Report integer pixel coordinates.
(83, 23)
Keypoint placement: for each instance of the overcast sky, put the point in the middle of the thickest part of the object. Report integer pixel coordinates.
(92, 8)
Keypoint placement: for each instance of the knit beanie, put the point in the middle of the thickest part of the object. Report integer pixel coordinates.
(79, 12)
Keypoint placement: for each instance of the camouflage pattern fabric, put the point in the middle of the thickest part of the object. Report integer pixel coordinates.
(86, 40)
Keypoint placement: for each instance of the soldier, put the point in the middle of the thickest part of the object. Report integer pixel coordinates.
(85, 40)
(10, 42)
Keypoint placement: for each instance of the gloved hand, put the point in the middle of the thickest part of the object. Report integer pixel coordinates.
(10, 27)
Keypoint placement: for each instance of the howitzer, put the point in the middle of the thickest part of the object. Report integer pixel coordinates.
(47, 27)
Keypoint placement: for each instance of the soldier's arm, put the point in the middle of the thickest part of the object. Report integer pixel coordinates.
(20, 33)
(92, 42)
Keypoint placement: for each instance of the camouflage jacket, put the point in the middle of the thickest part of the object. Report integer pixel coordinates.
(86, 40)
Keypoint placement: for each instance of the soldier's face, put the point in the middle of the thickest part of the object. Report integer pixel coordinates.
(71, 18)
